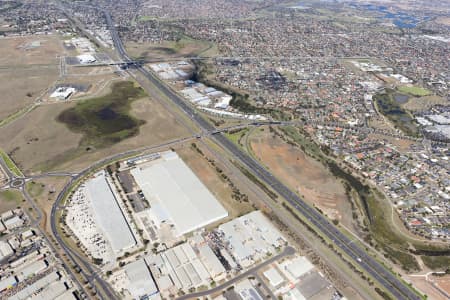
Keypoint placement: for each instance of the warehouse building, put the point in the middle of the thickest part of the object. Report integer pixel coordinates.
(251, 238)
(295, 268)
(86, 59)
(176, 195)
(274, 277)
(182, 268)
(108, 214)
(141, 284)
(63, 93)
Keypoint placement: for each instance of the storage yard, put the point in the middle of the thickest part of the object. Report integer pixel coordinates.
(97, 219)
(148, 216)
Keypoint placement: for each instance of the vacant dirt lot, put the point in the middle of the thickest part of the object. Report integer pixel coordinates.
(28, 66)
(307, 176)
(41, 49)
(50, 145)
(214, 182)
(422, 103)
(427, 287)
(37, 137)
(20, 86)
(443, 282)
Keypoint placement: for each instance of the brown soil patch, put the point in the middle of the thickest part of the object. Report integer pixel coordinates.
(443, 282)
(36, 49)
(37, 137)
(29, 65)
(428, 288)
(166, 49)
(402, 145)
(422, 103)
(20, 87)
(310, 178)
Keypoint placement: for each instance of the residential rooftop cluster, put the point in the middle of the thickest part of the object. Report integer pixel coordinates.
(30, 18)
(416, 181)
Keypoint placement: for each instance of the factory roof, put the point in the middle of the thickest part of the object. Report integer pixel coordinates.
(141, 281)
(108, 214)
(33, 288)
(274, 277)
(170, 183)
(7, 282)
(211, 261)
(299, 266)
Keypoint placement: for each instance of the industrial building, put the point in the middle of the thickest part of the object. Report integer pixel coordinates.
(176, 195)
(296, 268)
(251, 238)
(5, 250)
(48, 287)
(86, 59)
(63, 93)
(184, 267)
(141, 284)
(108, 214)
(274, 277)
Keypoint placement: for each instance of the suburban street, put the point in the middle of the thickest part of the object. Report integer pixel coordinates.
(390, 281)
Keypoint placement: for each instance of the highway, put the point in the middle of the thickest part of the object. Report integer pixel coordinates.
(372, 267)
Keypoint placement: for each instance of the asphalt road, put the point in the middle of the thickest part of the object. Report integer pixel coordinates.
(286, 251)
(388, 280)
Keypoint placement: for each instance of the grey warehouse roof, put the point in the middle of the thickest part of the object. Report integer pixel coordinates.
(170, 183)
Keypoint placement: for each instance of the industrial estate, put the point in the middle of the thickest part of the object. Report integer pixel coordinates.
(224, 149)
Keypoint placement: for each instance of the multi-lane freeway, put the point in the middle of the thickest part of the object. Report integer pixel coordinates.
(398, 288)
(359, 257)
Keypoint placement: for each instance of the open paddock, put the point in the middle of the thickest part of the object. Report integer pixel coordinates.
(50, 145)
(313, 181)
(28, 50)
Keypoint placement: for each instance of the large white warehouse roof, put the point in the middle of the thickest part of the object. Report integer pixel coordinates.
(170, 183)
(108, 214)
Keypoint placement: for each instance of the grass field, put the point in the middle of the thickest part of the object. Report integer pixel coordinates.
(437, 262)
(184, 47)
(414, 90)
(31, 50)
(214, 179)
(11, 165)
(50, 145)
(10, 199)
(308, 177)
(20, 86)
(44, 192)
(29, 65)
(106, 120)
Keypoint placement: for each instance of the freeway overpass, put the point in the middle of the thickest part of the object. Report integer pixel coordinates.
(398, 288)
(389, 281)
